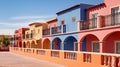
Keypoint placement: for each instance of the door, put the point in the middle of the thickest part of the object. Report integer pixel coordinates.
(75, 46)
(96, 47)
(94, 20)
(118, 47)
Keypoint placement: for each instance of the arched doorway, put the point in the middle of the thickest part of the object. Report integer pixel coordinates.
(69, 43)
(46, 44)
(39, 43)
(24, 45)
(90, 43)
(33, 44)
(56, 44)
(28, 44)
(111, 43)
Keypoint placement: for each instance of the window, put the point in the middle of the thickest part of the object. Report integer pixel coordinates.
(62, 22)
(96, 47)
(73, 19)
(75, 46)
(118, 47)
(94, 20)
(114, 16)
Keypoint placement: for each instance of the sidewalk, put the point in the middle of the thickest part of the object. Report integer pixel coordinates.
(8, 59)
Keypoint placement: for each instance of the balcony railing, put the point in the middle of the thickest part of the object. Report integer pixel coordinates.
(111, 20)
(56, 30)
(55, 53)
(85, 59)
(88, 24)
(70, 55)
(40, 52)
(46, 31)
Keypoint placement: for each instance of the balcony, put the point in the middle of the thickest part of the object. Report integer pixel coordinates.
(46, 31)
(55, 30)
(88, 24)
(111, 20)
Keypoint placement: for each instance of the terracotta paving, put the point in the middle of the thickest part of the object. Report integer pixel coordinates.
(8, 59)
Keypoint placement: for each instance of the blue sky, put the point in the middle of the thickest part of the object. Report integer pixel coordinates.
(15, 14)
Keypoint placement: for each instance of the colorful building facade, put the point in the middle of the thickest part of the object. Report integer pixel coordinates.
(33, 36)
(100, 32)
(46, 40)
(82, 35)
(18, 37)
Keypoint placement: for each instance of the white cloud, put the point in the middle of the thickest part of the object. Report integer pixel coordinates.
(7, 31)
(23, 22)
(31, 17)
(10, 27)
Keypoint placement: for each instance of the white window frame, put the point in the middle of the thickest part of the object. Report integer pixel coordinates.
(92, 45)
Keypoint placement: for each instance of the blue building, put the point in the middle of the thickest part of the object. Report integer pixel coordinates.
(65, 36)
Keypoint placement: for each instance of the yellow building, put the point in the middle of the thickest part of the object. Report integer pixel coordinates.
(33, 36)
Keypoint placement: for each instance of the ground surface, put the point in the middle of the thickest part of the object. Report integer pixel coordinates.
(8, 59)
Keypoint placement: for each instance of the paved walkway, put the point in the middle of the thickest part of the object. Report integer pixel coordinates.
(8, 59)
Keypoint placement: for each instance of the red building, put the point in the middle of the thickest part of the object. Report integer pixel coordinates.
(18, 36)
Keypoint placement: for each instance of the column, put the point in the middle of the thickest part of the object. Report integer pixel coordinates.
(101, 46)
(99, 21)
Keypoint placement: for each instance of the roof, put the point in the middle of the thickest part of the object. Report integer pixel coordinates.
(68, 9)
(36, 24)
(96, 6)
(51, 20)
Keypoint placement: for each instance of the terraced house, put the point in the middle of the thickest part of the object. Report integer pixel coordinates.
(82, 35)
(33, 36)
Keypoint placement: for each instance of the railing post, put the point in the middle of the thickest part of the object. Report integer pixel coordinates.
(99, 21)
(50, 31)
(78, 25)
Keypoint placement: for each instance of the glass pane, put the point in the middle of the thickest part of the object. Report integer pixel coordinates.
(118, 47)
(75, 46)
(96, 47)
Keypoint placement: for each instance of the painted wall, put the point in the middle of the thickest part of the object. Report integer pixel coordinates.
(106, 10)
(63, 37)
(18, 33)
(77, 12)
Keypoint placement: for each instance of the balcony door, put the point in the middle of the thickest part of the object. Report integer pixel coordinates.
(115, 16)
(94, 20)
(117, 47)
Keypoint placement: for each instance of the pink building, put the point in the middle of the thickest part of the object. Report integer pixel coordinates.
(101, 31)
(47, 33)
(18, 37)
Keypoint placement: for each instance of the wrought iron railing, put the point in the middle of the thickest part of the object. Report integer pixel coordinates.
(46, 31)
(88, 24)
(111, 20)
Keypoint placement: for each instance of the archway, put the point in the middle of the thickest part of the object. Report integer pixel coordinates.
(111, 42)
(69, 43)
(33, 44)
(46, 44)
(39, 43)
(90, 43)
(24, 45)
(56, 44)
(28, 44)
